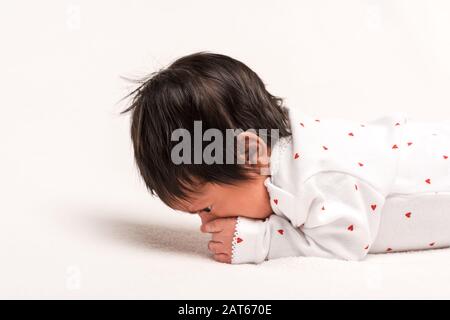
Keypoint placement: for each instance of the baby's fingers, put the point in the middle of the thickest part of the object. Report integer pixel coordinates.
(216, 247)
(212, 226)
(221, 237)
(224, 258)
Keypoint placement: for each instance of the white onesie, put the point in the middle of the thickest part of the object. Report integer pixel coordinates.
(342, 189)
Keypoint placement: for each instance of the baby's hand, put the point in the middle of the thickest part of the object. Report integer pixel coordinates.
(222, 231)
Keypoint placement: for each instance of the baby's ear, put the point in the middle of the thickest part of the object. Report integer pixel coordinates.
(251, 149)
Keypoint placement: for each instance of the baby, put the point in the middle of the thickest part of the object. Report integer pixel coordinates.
(286, 184)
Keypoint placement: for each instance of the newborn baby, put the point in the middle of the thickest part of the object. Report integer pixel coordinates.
(341, 189)
(289, 184)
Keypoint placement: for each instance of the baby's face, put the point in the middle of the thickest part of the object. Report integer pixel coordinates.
(247, 199)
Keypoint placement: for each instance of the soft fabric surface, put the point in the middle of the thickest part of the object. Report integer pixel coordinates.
(93, 250)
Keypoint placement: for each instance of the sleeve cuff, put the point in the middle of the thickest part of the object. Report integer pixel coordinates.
(250, 241)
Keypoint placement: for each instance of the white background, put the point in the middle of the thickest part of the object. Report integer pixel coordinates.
(75, 219)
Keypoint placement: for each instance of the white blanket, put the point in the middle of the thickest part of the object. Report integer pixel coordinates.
(106, 248)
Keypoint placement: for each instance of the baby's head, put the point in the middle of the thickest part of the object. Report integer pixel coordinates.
(175, 107)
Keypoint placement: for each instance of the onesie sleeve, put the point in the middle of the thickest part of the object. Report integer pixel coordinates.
(336, 215)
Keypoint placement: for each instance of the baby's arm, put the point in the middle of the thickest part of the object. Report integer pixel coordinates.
(343, 215)
(256, 240)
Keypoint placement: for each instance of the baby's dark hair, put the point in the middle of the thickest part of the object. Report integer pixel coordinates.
(216, 89)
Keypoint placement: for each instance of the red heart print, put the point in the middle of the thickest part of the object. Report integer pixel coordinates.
(296, 156)
(281, 231)
(373, 206)
(275, 200)
(351, 134)
(445, 157)
(360, 164)
(409, 143)
(408, 214)
(350, 228)
(428, 181)
(239, 240)
(394, 146)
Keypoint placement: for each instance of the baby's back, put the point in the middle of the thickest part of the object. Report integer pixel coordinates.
(416, 214)
(424, 164)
